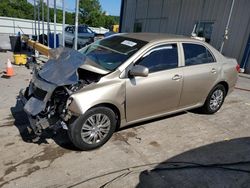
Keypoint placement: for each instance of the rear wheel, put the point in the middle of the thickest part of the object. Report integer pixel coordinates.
(214, 100)
(93, 129)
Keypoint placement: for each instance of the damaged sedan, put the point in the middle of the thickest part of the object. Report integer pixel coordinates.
(124, 79)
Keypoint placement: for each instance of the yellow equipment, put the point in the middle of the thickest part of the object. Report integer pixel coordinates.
(37, 46)
(116, 28)
(20, 59)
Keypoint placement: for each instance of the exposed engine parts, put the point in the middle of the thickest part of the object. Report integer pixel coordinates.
(56, 114)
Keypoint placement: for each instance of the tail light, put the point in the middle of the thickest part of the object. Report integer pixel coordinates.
(237, 67)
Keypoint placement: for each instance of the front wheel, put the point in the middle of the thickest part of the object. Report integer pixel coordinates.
(93, 129)
(214, 100)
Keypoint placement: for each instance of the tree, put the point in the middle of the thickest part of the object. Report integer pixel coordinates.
(16, 8)
(90, 13)
(88, 9)
(24, 9)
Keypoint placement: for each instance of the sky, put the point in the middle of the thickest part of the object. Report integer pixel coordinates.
(112, 7)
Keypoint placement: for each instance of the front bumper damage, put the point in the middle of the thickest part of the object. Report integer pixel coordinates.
(43, 108)
(33, 125)
(37, 125)
(34, 100)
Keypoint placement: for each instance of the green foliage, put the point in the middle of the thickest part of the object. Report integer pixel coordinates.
(16, 8)
(90, 13)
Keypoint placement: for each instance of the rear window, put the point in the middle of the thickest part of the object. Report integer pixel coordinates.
(196, 54)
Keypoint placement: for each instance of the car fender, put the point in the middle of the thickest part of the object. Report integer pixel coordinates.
(109, 92)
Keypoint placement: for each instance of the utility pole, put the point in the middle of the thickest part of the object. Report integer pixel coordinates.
(35, 17)
(63, 24)
(76, 24)
(227, 27)
(54, 23)
(48, 21)
(43, 20)
(38, 16)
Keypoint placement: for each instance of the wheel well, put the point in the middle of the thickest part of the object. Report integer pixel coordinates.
(225, 84)
(115, 110)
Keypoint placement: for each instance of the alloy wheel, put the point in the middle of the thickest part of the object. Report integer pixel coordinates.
(95, 128)
(216, 99)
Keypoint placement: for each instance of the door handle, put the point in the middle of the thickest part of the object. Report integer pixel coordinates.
(213, 70)
(177, 77)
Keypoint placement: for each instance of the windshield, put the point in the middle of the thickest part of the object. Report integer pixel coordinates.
(113, 51)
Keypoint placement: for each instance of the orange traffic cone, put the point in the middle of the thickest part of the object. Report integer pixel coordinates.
(9, 69)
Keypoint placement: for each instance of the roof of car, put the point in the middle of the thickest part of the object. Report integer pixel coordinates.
(150, 37)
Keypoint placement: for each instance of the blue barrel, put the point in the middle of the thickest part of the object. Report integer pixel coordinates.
(51, 40)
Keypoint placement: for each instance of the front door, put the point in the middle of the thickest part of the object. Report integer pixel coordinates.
(160, 91)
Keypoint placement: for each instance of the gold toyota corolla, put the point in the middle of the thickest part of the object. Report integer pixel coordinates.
(124, 79)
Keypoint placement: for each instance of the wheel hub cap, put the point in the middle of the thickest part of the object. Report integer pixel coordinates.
(95, 128)
(216, 99)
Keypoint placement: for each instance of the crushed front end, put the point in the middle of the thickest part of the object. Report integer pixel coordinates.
(46, 98)
(45, 104)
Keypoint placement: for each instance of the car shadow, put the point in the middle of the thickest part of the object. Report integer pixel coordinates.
(21, 122)
(151, 121)
(221, 164)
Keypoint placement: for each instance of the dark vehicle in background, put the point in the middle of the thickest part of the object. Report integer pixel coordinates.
(85, 35)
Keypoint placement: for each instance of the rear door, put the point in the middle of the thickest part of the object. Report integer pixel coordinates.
(160, 91)
(200, 73)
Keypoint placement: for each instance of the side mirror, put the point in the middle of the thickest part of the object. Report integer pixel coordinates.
(139, 70)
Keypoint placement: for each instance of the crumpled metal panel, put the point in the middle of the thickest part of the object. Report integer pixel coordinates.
(34, 106)
(42, 84)
(61, 68)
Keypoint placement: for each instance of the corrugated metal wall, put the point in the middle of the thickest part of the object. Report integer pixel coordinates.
(179, 17)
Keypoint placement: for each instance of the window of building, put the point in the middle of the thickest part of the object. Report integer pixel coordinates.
(161, 58)
(204, 29)
(196, 54)
(138, 27)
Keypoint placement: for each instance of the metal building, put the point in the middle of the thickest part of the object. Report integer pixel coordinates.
(206, 18)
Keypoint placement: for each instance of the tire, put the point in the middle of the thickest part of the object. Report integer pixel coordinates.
(218, 93)
(85, 131)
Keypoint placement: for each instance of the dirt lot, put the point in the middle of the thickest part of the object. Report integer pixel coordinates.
(184, 150)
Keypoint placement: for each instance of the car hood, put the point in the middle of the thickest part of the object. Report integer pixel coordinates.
(61, 68)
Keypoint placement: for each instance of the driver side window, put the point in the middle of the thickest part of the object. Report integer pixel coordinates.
(69, 29)
(161, 58)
